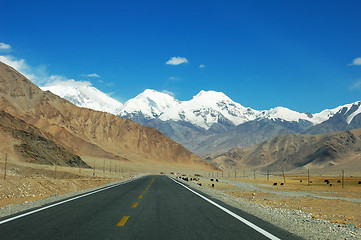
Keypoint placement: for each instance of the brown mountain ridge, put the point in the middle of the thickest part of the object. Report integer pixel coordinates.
(87, 132)
(295, 151)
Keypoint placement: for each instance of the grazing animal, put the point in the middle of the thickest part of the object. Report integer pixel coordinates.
(300, 180)
(282, 183)
(359, 182)
(338, 181)
(216, 180)
(330, 184)
(275, 184)
(327, 182)
(211, 179)
(212, 185)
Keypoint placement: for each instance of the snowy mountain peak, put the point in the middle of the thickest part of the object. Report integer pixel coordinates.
(83, 94)
(285, 114)
(150, 103)
(208, 108)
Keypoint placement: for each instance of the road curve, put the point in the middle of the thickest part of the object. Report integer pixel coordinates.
(152, 207)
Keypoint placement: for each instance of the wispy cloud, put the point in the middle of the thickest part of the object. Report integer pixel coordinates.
(356, 85)
(4, 46)
(202, 66)
(176, 61)
(170, 93)
(18, 64)
(61, 80)
(94, 75)
(174, 79)
(356, 62)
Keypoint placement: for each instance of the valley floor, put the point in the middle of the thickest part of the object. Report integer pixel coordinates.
(318, 211)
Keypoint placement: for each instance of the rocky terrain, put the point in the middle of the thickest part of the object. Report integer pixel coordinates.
(295, 151)
(307, 217)
(86, 132)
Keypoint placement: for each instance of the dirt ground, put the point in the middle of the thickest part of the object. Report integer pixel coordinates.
(26, 182)
(332, 203)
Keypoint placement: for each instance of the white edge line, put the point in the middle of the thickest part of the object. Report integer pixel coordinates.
(64, 201)
(248, 223)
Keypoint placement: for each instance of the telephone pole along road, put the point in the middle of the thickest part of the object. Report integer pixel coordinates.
(152, 207)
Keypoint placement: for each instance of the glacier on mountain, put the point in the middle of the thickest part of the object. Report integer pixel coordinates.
(84, 95)
(203, 110)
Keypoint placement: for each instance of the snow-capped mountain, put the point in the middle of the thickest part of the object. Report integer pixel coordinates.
(150, 103)
(211, 121)
(82, 94)
(208, 108)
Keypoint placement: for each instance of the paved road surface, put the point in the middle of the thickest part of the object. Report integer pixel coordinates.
(152, 207)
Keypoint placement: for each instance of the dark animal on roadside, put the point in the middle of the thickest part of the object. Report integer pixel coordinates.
(211, 179)
(338, 181)
(282, 183)
(300, 180)
(330, 184)
(212, 185)
(327, 182)
(275, 184)
(216, 180)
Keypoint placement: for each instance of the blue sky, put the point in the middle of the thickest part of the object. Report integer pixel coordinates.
(303, 55)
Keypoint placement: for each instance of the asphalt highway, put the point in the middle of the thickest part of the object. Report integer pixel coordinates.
(152, 207)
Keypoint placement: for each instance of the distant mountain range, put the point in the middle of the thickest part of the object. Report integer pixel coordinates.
(331, 152)
(39, 126)
(211, 121)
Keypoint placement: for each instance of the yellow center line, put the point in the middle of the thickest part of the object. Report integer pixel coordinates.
(122, 221)
(140, 196)
(134, 205)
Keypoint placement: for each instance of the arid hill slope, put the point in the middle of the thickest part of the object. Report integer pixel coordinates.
(87, 132)
(28, 143)
(294, 151)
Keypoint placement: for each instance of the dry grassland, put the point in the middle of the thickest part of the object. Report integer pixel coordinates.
(332, 203)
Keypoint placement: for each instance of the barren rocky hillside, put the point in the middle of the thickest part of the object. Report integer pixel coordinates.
(86, 132)
(294, 151)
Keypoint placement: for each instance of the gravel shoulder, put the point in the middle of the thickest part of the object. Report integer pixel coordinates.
(301, 223)
(15, 209)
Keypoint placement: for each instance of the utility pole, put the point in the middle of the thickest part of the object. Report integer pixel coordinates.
(343, 177)
(94, 168)
(308, 177)
(267, 175)
(55, 170)
(6, 161)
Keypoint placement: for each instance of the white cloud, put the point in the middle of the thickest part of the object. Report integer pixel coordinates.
(356, 85)
(19, 65)
(176, 61)
(38, 75)
(94, 75)
(61, 80)
(174, 79)
(202, 66)
(169, 93)
(4, 46)
(356, 61)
